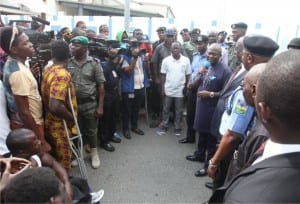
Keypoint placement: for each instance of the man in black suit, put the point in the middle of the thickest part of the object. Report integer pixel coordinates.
(274, 176)
(257, 49)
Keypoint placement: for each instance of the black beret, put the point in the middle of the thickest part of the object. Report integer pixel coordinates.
(162, 28)
(196, 31)
(260, 45)
(294, 43)
(185, 30)
(240, 25)
(201, 38)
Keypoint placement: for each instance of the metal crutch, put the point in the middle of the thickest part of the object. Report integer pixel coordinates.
(77, 150)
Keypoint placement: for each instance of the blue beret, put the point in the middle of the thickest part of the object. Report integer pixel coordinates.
(240, 25)
(260, 45)
(81, 39)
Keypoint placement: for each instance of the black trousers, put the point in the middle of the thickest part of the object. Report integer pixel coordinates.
(207, 145)
(130, 108)
(191, 109)
(107, 124)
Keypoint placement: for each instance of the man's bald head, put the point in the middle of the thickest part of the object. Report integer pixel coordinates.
(250, 81)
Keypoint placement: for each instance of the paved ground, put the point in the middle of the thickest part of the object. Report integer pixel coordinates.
(149, 169)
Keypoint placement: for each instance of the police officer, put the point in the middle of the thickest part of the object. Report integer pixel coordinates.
(88, 78)
(199, 59)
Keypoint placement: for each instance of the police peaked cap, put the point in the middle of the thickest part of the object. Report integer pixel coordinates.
(240, 25)
(294, 43)
(161, 28)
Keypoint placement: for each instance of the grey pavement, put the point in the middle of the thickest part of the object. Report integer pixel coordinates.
(148, 169)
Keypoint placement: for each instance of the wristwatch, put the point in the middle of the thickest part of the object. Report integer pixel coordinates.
(212, 94)
(211, 165)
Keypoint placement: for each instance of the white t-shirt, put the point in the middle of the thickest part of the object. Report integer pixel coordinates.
(176, 71)
(4, 121)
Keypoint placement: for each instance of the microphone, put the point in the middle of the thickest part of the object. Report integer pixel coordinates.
(207, 64)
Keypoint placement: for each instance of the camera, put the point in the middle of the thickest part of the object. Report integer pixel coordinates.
(99, 47)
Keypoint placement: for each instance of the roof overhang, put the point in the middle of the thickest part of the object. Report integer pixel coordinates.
(97, 9)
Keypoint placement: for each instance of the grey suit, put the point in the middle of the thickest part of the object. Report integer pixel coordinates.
(275, 179)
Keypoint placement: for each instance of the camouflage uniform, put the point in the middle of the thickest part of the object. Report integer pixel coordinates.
(233, 61)
(87, 78)
(190, 48)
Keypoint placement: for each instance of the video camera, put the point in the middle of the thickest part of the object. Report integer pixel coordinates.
(99, 47)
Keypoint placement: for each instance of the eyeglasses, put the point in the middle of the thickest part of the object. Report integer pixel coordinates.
(15, 32)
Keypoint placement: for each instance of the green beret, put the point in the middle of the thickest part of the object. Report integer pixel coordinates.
(260, 45)
(80, 39)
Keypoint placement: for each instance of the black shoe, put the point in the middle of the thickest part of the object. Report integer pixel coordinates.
(194, 158)
(201, 172)
(108, 147)
(209, 185)
(137, 131)
(126, 134)
(185, 140)
(116, 139)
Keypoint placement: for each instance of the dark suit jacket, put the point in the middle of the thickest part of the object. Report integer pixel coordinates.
(273, 180)
(220, 108)
(245, 154)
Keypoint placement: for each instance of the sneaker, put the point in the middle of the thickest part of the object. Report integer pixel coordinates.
(97, 196)
(161, 130)
(177, 132)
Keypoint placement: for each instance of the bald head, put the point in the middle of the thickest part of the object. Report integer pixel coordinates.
(214, 53)
(250, 81)
(16, 139)
(279, 88)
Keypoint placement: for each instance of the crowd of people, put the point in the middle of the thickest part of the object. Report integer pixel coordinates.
(238, 96)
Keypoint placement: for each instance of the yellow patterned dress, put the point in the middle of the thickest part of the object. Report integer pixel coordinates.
(55, 84)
